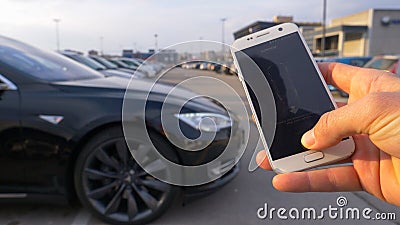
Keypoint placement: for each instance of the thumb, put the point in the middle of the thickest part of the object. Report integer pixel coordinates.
(340, 123)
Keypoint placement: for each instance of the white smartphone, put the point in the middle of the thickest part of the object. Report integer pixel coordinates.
(299, 92)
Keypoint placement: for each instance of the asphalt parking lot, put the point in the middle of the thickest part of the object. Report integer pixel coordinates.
(236, 203)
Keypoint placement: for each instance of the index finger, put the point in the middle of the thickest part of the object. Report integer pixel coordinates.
(358, 81)
(338, 74)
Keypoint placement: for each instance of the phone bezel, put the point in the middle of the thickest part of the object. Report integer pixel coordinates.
(294, 162)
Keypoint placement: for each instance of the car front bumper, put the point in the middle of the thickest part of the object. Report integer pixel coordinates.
(194, 192)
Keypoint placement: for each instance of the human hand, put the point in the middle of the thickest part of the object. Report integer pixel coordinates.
(372, 117)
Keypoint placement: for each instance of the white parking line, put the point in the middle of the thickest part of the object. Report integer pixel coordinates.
(82, 218)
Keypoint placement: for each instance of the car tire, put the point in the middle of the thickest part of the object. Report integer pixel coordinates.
(113, 187)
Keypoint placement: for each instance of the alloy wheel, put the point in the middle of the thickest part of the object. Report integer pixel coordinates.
(117, 187)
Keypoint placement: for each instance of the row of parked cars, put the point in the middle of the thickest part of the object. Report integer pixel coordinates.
(388, 63)
(117, 66)
(382, 62)
(227, 68)
(61, 133)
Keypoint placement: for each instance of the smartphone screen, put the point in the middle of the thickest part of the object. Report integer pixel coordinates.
(299, 95)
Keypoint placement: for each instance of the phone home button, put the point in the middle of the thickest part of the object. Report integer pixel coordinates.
(311, 157)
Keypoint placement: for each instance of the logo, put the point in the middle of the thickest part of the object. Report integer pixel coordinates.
(337, 211)
(341, 201)
(386, 21)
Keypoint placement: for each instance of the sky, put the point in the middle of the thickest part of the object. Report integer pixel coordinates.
(132, 24)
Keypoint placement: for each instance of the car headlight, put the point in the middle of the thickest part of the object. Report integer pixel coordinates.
(210, 122)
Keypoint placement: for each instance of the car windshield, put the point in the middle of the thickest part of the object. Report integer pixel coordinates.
(105, 62)
(130, 62)
(120, 63)
(86, 61)
(381, 63)
(40, 64)
(358, 62)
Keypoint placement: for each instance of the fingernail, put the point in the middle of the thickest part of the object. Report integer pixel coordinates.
(308, 139)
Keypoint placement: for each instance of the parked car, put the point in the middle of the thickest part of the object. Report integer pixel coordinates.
(216, 67)
(203, 66)
(123, 65)
(321, 59)
(158, 67)
(385, 62)
(232, 69)
(354, 61)
(185, 65)
(109, 65)
(225, 67)
(61, 136)
(85, 60)
(195, 65)
(150, 71)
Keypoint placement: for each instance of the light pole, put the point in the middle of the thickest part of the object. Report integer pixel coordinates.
(101, 45)
(155, 42)
(200, 45)
(323, 29)
(223, 38)
(57, 21)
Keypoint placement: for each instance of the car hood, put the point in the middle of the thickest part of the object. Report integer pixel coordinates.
(159, 91)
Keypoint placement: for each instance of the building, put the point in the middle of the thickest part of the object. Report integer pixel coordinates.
(252, 28)
(129, 53)
(368, 33)
(167, 56)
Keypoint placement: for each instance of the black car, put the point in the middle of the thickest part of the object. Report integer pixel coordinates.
(61, 136)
